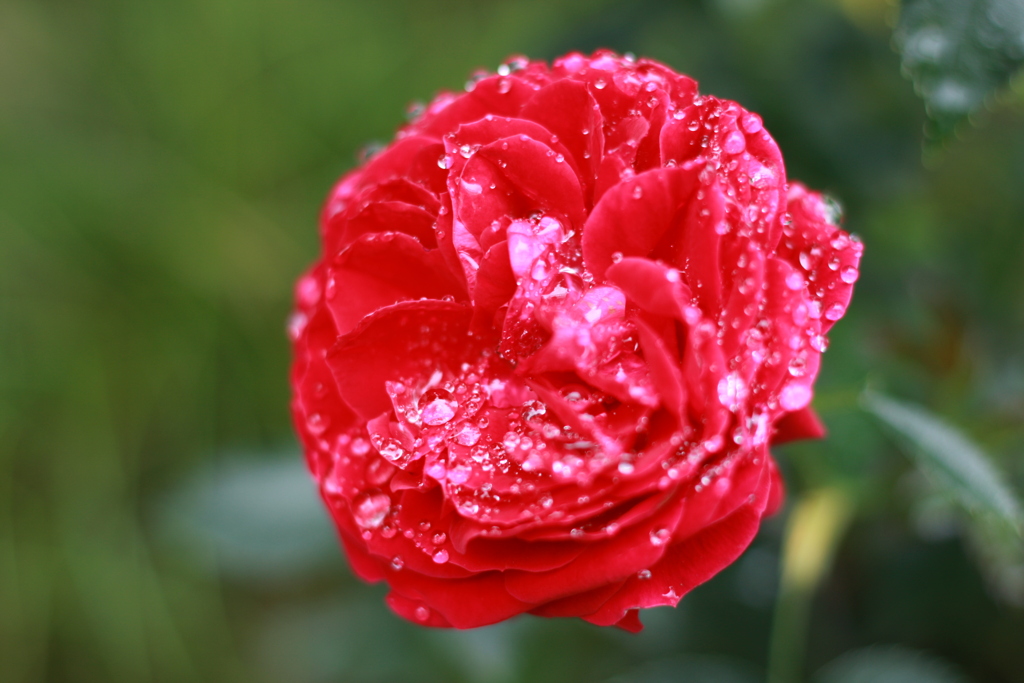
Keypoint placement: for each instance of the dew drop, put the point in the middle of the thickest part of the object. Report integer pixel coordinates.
(849, 275)
(835, 312)
(308, 291)
(638, 192)
(469, 435)
(714, 444)
(833, 210)
(444, 162)
(440, 557)
(795, 396)
(422, 613)
(439, 411)
(397, 563)
(600, 84)
(458, 475)
(316, 424)
(734, 143)
(391, 450)
(643, 574)
(752, 123)
(659, 536)
(732, 391)
(370, 509)
(297, 325)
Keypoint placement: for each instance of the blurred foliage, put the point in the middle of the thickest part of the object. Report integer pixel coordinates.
(959, 52)
(161, 169)
(944, 452)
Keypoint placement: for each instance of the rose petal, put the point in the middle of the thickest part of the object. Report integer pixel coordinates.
(691, 562)
(634, 216)
(381, 269)
(408, 339)
(568, 110)
(800, 424)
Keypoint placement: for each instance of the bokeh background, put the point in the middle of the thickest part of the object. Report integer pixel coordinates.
(161, 169)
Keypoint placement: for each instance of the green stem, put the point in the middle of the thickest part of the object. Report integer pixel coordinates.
(813, 530)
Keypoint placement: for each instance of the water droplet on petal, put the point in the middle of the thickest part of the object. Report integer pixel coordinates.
(391, 450)
(660, 536)
(441, 556)
(297, 325)
(458, 475)
(469, 435)
(308, 291)
(835, 312)
(397, 563)
(795, 396)
(849, 275)
(370, 509)
(359, 446)
(439, 411)
(316, 423)
(422, 613)
(751, 123)
(732, 391)
(734, 143)
(643, 574)
(833, 210)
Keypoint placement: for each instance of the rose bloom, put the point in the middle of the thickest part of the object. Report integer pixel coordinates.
(555, 328)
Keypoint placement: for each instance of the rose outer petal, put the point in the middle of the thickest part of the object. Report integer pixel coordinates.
(403, 340)
(693, 561)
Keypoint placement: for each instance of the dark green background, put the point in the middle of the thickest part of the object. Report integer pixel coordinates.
(161, 169)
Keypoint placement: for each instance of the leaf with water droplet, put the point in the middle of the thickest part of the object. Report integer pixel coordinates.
(955, 461)
(959, 52)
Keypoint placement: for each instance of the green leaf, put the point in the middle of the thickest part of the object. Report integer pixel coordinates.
(888, 665)
(947, 453)
(958, 52)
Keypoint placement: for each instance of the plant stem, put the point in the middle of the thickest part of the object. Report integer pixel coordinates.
(817, 523)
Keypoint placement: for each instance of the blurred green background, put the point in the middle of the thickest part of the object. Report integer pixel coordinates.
(162, 165)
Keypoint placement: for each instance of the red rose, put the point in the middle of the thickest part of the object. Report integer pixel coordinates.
(555, 328)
